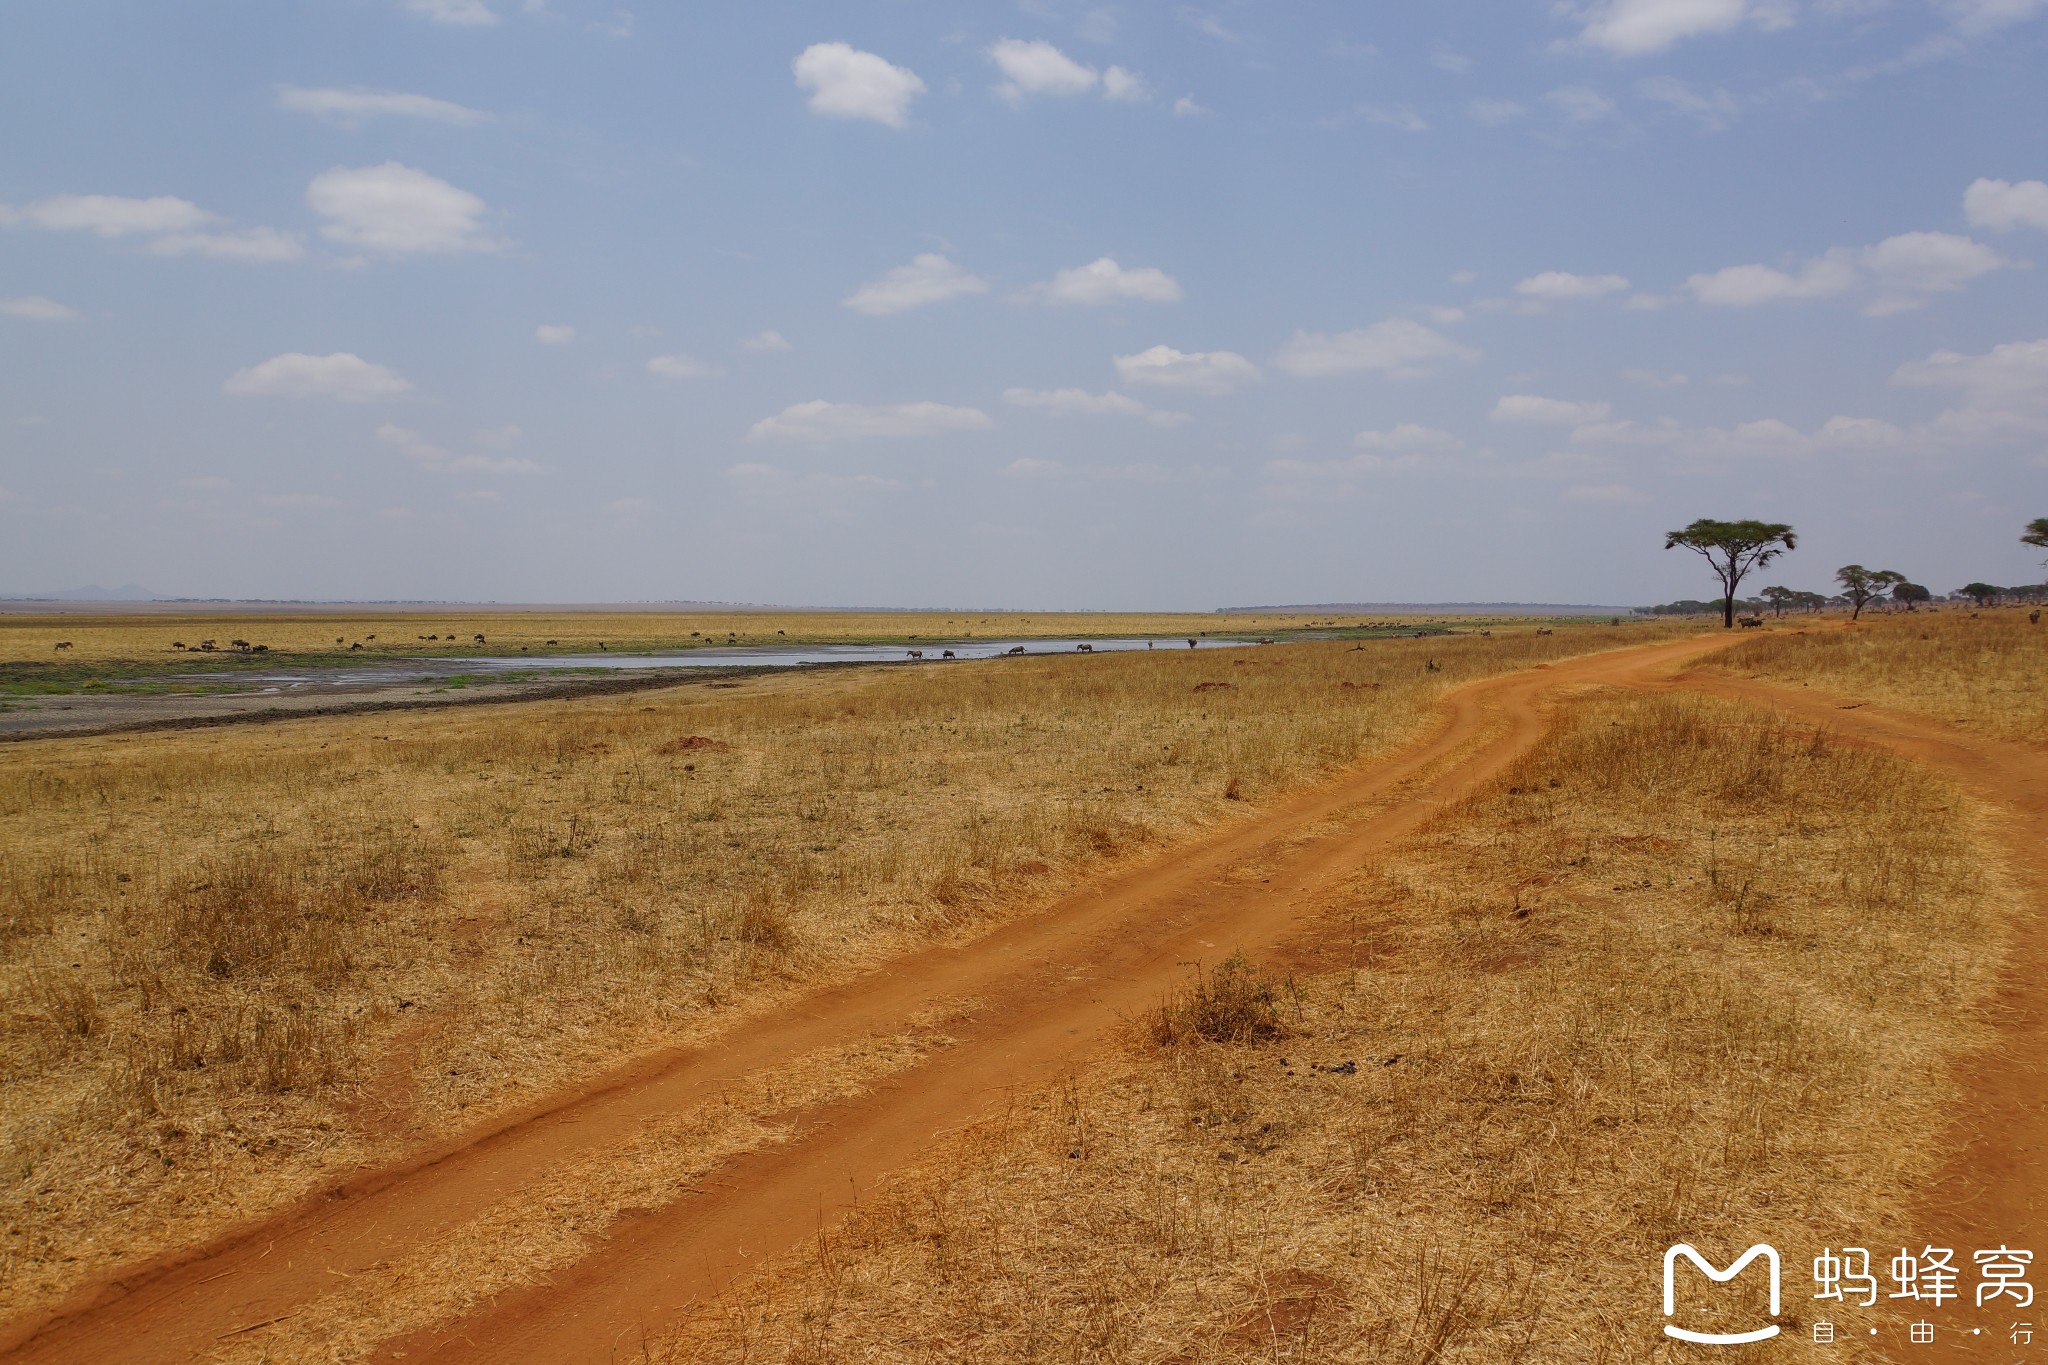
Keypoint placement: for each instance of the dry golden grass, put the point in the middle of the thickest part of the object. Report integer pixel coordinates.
(1984, 669)
(1687, 972)
(234, 963)
(104, 637)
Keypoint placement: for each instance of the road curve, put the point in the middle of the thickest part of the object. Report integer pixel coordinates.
(1048, 986)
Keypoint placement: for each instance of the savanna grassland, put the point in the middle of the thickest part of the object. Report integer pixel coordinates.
(1981, 669)
(236, 962)
(1687, 971)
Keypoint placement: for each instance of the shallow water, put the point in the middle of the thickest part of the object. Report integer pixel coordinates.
(482, 669)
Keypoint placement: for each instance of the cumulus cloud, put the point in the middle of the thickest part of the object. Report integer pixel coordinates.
(1081, 403)
(929, 278)
(1396, 347)
(550, 334)
(1897, 274)
(1527, 407)
(456, 13)
(766, 341)
(1038, 68)
(1104, 281)
(2001, 394)
(109, 215)
(357, 105)
(845, 82)
(680, 367)
(822, 423)
(257, 244)
(427, 455)
(1562, 285)
(1579, 104)
(341, 375)
(176, 227)
(36, 308)
(1164, 367)
(1185, 107)
(1714, 109)
(394, 210)
(2002, 206)
(1637, 28)
(1408, 446)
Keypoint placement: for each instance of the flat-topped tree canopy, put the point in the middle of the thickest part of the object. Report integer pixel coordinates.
(1733, 549)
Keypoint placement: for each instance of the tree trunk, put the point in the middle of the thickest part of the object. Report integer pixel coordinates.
(1728, 611)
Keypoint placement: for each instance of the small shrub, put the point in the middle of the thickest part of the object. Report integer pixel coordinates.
(1233, 1004)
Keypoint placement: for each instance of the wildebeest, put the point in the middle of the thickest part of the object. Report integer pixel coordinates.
(1543, 630)
(1015, 649)
(1750, 622)
(479, 639)
(947, 655)
(913, 654)
(1084, 649)
(63, 644)
(357, 645)
(1191, 644)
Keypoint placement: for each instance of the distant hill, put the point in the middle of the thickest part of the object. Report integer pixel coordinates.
(1439, 608)
(89, 593)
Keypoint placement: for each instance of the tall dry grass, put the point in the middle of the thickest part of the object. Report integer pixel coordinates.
(1984, 669)
(1687, 972)
(235, 962)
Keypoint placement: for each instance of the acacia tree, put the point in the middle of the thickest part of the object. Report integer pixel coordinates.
(1981, 593)
(2036, 534)
(1912, 594)
(1733, 548)
(1863, 586)
(1779, 598)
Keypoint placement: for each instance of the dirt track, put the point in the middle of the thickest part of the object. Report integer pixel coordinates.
(1045, 989)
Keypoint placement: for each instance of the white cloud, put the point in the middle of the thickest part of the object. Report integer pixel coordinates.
(1613, 494)
(1104, 281)
(1397, 347)
(2002, 206)
(1494, 113)
(1039, 68)
(427, 455)
(1527, 407)
(847, 83)
(1636, 28)
(357, 105)
(1985, 16)
(343, 376)
(1580, 103)
(1561, 285)
(766, 341)
(1119, 84)
(1406, 437)
(681, 367)
(2002, 394)
(1185, 107)
(1080, 402)
(1164, 367)
(109, 215)
(259, 244)
(1407, 446)
(821, 423)
(551, 334)
(1715, 109)
(1652, 379)
(36, 308)
(394, 210)
(500, 438)
(1464, 276)
(1897, 274)
(929, 278)
(620, 25)
(458, 13)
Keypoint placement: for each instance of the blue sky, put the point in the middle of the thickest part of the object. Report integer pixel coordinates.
(1033, 304)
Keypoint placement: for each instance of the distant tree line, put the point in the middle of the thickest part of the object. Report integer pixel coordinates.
(1734, 549)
